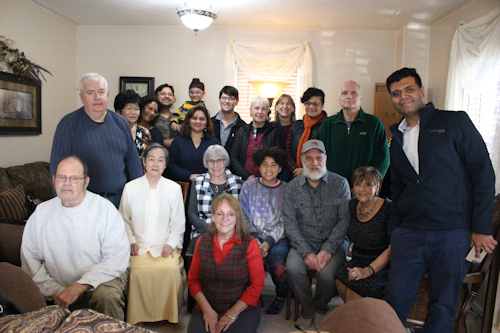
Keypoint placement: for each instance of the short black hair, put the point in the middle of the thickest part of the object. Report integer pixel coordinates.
(125, 97)
(146, 100)
(229, 90)
(311, 92)
(401, 74)
(279, 155)
(165, 85)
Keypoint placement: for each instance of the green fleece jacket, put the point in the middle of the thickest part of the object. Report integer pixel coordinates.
(363, 144)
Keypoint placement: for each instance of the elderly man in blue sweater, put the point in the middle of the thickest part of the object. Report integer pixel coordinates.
(101, 138)
(442, 201)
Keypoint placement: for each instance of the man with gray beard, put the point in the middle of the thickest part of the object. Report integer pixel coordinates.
(316, 217)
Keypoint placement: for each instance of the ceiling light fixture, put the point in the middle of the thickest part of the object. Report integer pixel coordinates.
(197, 18)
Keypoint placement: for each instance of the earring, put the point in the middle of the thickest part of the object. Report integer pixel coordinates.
(205, 129)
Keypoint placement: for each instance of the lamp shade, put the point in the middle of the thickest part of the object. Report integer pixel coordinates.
(269, 89)
(196, 19)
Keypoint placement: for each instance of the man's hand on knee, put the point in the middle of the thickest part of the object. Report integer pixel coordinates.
(311, 261)
(323, 258)
(69, 295)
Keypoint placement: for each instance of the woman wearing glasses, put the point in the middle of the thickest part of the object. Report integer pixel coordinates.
(227, 273)
(306, 129)
(188, 148)
(208, 186)
(149, 116)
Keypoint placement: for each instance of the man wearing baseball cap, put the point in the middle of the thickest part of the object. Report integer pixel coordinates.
(316, 217)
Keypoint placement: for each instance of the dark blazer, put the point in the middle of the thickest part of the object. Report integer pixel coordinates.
(239, 123)
(238, 152)
(455, 186)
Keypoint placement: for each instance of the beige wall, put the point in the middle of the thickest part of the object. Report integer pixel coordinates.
(50, 41)
(175, 55)
(440, 45)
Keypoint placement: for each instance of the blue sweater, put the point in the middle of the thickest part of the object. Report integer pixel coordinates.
(455, 186)
(185, 159)
(107, 148)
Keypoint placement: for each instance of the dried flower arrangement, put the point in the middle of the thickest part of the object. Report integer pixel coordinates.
(20, 65)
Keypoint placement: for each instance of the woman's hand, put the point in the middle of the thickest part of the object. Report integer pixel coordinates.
(264, 248)
(297, 172)
(167, 251)
(211, 318)
(224, 323)
(358, 273)
(193, 176)
(134, 249)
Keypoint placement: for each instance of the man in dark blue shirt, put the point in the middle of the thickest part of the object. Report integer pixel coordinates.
(101, 138)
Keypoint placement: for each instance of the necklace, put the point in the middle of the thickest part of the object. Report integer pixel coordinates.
(216, 189)
(362, 215)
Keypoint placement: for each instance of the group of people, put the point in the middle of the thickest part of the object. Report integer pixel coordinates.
(265, 195)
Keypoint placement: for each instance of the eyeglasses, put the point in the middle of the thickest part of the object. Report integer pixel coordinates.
(228, 98)
(230, 215)
(72, 179)
(150, 109)
(195, 92)
(217, 161)
(312, 103)
(310, 159)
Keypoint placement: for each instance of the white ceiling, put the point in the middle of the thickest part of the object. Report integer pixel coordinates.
(310, 14)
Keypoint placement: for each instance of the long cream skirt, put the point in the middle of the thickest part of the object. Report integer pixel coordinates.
(156, 288)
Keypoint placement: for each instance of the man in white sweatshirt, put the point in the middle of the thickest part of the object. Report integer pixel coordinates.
(75, 246)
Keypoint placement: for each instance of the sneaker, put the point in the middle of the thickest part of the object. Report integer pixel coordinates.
(318, 318)
(303, 323)
(275, 306)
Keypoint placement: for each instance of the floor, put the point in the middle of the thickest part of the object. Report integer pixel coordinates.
(275, 323)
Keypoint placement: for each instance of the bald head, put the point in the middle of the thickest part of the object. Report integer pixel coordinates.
(351, 97)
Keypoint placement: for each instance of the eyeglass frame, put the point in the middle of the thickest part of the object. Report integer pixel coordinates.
(72, 179)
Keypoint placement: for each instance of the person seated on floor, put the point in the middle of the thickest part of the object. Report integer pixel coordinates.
(227, 275)
(206, 187)
(75, 246)
(367, 273)
(153, 210)
(316, 217)
(261, 200)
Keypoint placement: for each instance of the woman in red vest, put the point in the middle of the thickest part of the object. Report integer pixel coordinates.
(227, 275)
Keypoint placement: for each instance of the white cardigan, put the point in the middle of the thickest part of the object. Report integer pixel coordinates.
(153, 218)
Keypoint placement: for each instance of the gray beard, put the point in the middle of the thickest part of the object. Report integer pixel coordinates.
(314, 176)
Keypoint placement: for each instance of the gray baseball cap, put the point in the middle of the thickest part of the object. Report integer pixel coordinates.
(313, 144)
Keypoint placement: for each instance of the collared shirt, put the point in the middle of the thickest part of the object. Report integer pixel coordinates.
(225, 131)
(410, 142)
(316, 219)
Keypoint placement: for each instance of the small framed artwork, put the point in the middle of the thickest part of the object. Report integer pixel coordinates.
(141, 85)
(20, 106)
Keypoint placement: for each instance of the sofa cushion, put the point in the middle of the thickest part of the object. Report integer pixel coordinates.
(35, 177)
(45, 320)
(12, 203)
(19, 287)
(11, 236)
(5, 183)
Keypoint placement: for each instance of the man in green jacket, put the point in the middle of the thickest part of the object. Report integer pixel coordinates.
(352, 137)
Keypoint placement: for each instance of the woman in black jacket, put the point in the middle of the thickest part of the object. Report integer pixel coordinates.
(259, 133)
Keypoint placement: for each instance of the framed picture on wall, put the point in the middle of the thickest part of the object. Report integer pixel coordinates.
(20, 106)
(141, 85)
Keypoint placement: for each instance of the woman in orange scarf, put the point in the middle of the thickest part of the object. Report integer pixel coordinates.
(306, 129)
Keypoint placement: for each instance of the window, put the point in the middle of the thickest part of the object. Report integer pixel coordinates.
(483, 109)
(247, 92)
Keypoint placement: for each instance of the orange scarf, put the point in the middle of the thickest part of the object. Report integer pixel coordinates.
(308, 124)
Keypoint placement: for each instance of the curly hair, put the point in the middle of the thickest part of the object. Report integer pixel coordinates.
(124, 98)
(278, 155)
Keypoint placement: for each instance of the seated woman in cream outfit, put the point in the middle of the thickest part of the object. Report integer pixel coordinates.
(153, 210)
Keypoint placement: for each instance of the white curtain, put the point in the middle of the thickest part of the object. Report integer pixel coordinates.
(268, 62)
(474, 68)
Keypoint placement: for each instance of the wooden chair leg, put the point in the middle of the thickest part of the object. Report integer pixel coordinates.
(296, 313)
(288, 303)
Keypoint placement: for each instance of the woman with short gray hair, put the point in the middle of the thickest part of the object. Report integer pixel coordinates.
(206, 187)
